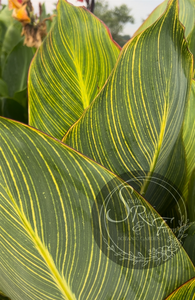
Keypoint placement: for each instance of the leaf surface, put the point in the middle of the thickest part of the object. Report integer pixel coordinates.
(135, 121)
(69, 69)
(48, 193)
(189, 138)
(16, 68)
(186, 291)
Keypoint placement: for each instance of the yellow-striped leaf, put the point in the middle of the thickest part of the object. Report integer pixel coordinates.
(186, 291)
(69, 69)
(191, 41)
(50, 197)
(186, 15)
(189, 138)
(135, 122)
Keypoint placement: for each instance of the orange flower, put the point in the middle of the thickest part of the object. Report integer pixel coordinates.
(15, 4)
(21, 14)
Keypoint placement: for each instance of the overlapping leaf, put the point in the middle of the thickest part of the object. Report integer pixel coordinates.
(191, 41)
(47, 249)
(186, 15)
(16, 68)
(189, 137)
(135, 121)
(186, 291)
(69, 69)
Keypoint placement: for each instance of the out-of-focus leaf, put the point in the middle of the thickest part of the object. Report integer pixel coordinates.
(47, 195)
(16, 68)
(69, 69)
(135, 121)
(10, 108)
(5, 16)
(191, 197)
(189, 243)
(11, 39)
(186, 15)
(22, 97)
(185, 292)
(189, 137)
(191, 41)
(3, 88)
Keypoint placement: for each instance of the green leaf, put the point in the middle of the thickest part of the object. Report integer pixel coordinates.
(5, 16)
(191, 42)
(10, 108)
(11, 38)
(186, 15)
(48, 194)
(189, 137)
(69, 69)
(186, 291)
(16, 68)
(3, 88)
(22, 98)
(136, 120)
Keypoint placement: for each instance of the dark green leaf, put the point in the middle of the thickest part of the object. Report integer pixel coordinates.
(16, 68)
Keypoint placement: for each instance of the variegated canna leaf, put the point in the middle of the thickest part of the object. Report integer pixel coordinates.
(191, 41)
(48, 250)
(186, 291)
(135, 122)
(189, 138)
(69, 69)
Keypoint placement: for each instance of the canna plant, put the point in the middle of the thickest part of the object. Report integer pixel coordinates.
(97, 192)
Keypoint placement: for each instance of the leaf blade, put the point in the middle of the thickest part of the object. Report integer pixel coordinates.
(47, 191)
(69, 69)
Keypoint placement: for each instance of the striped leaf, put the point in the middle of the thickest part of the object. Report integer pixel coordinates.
(186, 15)
(135, 122)
(191, 41)
(189, 138)
(69, 69)
(186, 291)
(48, 196)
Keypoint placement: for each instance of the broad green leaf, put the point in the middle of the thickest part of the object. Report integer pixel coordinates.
(5, 16)
(69, 69)
(3, 88)
(186, 291)
(22, 98)
(48, 193)
(11, 38)
(16, 68)
(189, 137)
(191, 41)
(189, 243)
(135, 121)
(186, 15)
